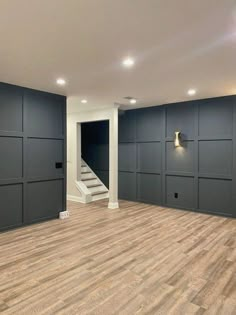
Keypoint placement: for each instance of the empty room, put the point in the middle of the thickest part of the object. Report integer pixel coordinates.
(118, 157)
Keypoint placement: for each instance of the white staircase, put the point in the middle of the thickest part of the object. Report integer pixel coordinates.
(90, 186)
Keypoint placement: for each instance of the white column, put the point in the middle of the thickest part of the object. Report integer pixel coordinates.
(113, 160)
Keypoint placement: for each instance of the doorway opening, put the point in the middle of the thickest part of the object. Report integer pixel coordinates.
(95, 159)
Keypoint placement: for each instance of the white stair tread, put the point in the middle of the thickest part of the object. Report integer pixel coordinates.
(94, 185)
(91, 178)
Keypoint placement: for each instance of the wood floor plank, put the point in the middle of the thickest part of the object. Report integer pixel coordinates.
(140, 259)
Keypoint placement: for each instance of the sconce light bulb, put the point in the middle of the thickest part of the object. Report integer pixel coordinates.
(177, 139)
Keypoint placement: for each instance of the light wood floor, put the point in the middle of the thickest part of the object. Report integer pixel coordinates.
(140, 259)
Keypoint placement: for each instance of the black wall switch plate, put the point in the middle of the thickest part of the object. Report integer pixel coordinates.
(59, 164)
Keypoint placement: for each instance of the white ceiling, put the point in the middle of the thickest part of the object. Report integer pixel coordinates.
(177, 45)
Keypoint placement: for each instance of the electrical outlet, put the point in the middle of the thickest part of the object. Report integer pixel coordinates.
(64, 215)
(176, 195)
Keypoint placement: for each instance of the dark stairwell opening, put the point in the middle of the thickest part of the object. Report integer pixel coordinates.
(95, 148)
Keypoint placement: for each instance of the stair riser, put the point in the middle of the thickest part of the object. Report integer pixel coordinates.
(91, 182)
(101, 196)
(84, 169)
(86, 176)
(94, 189)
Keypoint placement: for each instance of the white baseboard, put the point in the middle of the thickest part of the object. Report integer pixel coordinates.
(64, 215)
(113, 205)
(75, 198)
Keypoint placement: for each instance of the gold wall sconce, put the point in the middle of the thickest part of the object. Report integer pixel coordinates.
(177, 141)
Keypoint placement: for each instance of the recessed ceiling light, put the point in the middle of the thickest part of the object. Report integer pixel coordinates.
(133, 101)
(61, 81)
(128, 62)
(84, 101)
(191, 92)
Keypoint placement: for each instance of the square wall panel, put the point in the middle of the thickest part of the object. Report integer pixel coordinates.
(45, 199)
(43, 156)
(127, 157)
(180, 192)
(149, 188)
(216, 117)
(215, 195)
(149, 157)
(149, 124)
(180, 159)
(215, 157)
(180, 117)
(127, 186)
(11, 205)
(45, 114)
(11, 99)
(11, 160)
(127, 124)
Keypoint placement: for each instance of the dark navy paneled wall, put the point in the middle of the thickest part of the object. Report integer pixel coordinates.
(32, 141)
(200, 175)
